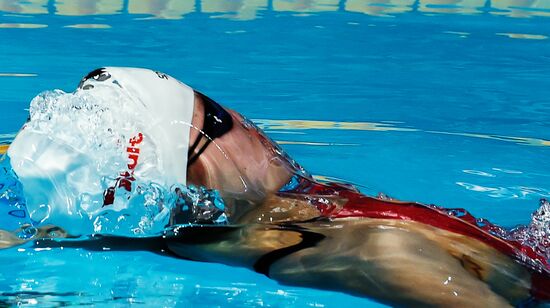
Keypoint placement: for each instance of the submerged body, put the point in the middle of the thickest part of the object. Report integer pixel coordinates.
(396, 262)
(372, 247)
(288, 226)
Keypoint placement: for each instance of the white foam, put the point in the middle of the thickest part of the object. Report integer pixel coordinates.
(537, 233)
(77, 144)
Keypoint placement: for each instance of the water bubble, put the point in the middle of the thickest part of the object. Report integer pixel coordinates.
(537, 233)
(13, 213)
(83, 141)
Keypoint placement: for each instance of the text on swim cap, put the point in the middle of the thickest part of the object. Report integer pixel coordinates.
(127, 177)
(133, 151)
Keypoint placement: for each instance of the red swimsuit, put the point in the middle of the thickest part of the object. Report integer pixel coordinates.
(454, 220)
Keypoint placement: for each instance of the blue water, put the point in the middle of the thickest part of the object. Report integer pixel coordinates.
(443, 102)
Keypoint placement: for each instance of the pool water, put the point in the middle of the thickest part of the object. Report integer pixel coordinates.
(436, 101)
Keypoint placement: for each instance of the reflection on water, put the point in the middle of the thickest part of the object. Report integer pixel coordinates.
(87, 7)
(458, 33)
(167, 9)
(524, 36)
(521, 8)
(22, 25)
(24, 7)
(17, 75)
(89, 26)
(516, 140)
(380, 8)
(5, 140)
(305, 5)
(251, 9)
(238, 9)
(284, 125)
(309, 124)
(452, 6)
(480, 173)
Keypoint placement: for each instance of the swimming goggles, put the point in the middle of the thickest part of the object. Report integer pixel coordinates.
(217, 122)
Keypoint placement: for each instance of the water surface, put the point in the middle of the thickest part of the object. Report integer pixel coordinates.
(437, 101)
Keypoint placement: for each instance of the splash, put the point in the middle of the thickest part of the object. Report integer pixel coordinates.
(73, 154)
(141, 216)
(531, 241)
(537, 233)
(13, 212)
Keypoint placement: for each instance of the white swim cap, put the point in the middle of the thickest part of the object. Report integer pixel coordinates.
(165, 106)
(127, 122)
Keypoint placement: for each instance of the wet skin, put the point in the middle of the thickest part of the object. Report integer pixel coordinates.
(402, 263)
(394, 261)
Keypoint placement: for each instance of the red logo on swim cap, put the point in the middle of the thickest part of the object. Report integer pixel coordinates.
(133, 152)
(127, 177)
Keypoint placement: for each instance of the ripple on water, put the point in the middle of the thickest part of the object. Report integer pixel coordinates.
(295, 126)
(524, 36)
(480, 173)
(512, 192)
(17, 75)
(508, 171)
(21, 26)
(89, 26)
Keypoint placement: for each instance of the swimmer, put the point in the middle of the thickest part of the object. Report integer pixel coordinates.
(280, 221)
